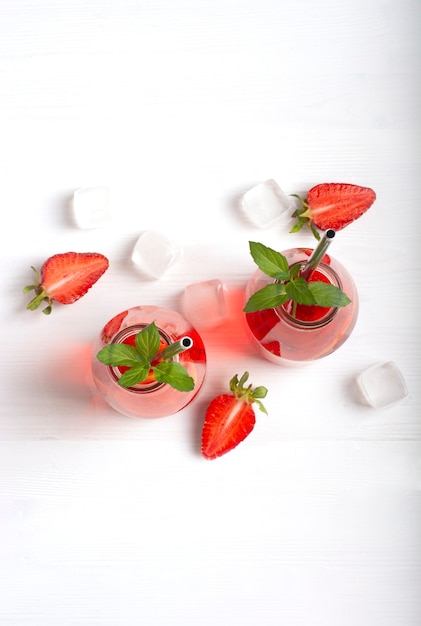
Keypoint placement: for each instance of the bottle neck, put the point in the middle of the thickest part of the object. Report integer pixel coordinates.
(128, 336)
(311, 317)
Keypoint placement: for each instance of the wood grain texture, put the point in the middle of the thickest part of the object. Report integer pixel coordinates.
(179, 107)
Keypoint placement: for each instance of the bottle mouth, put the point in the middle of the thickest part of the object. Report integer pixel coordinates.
(324, 314)
(122, 337)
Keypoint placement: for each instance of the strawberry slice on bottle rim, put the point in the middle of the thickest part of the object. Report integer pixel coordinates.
(332, 205)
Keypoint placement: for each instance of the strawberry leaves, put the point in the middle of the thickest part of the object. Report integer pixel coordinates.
(248, 394)
(146, 358)
(40, 294)
(303, 216)
(288, 285)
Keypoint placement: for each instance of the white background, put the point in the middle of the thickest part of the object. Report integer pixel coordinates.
(179, 107)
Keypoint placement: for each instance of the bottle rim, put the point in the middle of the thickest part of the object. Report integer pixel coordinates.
(116, 374)
(331, 312)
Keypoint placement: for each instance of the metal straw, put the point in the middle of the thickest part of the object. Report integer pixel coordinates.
(175, 348)
(318, 254)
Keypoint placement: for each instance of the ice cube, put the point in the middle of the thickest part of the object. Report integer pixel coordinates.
(154, 254)
(91, 207)
(382, 385)
(266, 205)
(204, 303)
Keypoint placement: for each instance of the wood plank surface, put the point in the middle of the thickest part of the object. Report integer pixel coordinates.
(180, 107)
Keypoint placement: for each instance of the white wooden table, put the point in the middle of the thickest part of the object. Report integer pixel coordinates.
(180, 107)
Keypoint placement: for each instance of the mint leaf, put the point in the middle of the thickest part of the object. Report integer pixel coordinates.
(270, 261)
(294, 271)
(298, 291)
(134, 375)
(268, 297)
(327, 295)
(148, 341)
(139, 359)
(118, 354)
(288, 284)
(174, 374)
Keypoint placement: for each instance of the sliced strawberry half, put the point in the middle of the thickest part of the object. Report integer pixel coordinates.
(112, 327)
(65, 278)
(332, 205)
(230, 418)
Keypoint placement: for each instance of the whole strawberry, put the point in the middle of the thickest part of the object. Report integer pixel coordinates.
(332, 205)
(230, 417)
(65, 278)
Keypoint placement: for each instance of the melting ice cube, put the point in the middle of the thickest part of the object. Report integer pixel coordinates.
(382, 385)
(204, 303)
(154, 254)
(266, 205)
(91, 206)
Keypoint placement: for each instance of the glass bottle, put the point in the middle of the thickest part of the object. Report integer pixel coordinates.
(149, 398)
(311, 332)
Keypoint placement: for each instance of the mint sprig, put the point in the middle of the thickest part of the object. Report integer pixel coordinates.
(144, 357)
(288, 284)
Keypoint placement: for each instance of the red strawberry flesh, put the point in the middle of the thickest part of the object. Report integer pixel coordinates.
(112, 327)
(228, 422)
(311, 313)
(230, 417)
(67, 277)
(335, 205)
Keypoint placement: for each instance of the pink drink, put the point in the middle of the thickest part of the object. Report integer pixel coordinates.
(149, 398)
(315, 331)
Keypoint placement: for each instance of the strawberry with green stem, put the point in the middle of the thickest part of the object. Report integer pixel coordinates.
(148, 359)
(332, 205)
(65, 278)
(230, 418)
